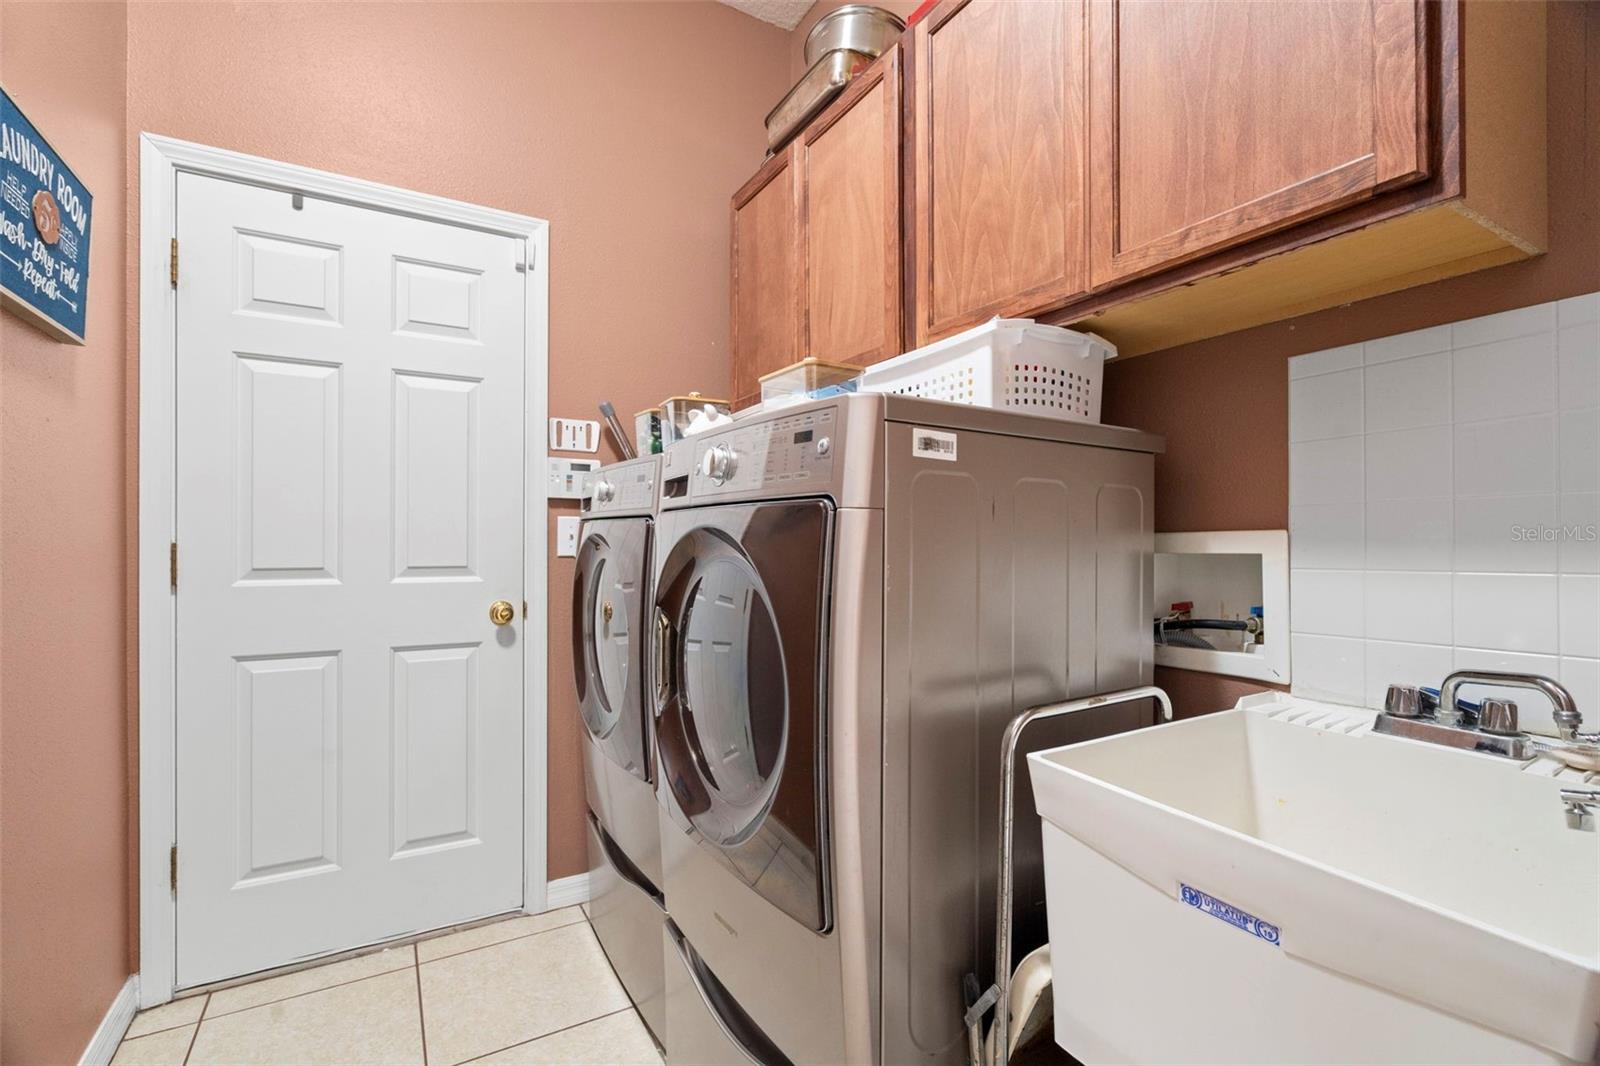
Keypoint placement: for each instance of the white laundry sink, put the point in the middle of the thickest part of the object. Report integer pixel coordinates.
(1276, 883)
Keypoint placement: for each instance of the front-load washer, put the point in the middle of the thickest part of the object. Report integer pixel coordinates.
(610, 615)
(852, 599)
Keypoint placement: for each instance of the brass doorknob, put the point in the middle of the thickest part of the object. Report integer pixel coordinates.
(501, 612)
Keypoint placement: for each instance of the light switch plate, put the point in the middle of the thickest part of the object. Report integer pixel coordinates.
(574, 435)
(569, 478)
(566, 535)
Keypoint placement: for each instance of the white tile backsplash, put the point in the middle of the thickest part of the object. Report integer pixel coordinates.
(1484, 541)
(1325, 471)
(1328, 405)
(1325, 361)
(1329, 668)
(1408, 463)
(1506, 458)
(1582, 678)
(1328, 535)
(1406, 345)
(1578, 367)
(1580, 451)
(1578, 546)
(1409, 534)
(1405, 394)
(1444, 489)
(1578, 309)
(1517, 612)
(1580, 615)
(1406, 606)
(1523, 322)
(1396, 663)
(1330, 604)
(1505, 378)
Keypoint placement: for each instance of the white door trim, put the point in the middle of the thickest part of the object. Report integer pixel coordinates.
(161, 159)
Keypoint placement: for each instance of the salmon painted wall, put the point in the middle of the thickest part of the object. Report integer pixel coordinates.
(1223, 403)
(63, 732)
(603, 118)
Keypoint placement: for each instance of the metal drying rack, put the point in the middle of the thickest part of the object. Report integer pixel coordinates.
(998, 994)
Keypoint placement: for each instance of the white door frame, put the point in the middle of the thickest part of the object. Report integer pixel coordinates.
(161, 159)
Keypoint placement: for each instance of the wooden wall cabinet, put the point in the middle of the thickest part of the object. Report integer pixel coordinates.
(816, 264)
(764, 314)
(999, 134)
(1430, 139)
(1156, 171)
(1215, 121)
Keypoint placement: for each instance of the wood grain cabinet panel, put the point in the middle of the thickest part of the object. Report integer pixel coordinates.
(1215, 121)
(765, 310)
(848, 169)
(1000, 139)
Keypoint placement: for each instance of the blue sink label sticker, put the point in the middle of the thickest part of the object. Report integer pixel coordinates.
(1209, 904)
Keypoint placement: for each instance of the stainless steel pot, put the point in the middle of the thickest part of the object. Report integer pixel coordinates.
(858, 27)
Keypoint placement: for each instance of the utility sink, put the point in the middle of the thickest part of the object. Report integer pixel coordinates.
(1277, 883)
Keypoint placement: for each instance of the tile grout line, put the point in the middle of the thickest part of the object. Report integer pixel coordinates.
(300, 995)
(422, 1018)
(553, 1032)
(538, 932)
(194, 1036)
(368, 977)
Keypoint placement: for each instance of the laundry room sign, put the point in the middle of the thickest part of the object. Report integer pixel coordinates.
(44, 230)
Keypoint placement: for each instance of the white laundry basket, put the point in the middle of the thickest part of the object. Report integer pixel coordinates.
(1010, 363)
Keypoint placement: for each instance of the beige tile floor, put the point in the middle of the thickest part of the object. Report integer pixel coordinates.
(533, 989)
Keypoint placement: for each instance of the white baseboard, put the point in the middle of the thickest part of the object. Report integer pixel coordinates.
(567, 891)
(103, 1045)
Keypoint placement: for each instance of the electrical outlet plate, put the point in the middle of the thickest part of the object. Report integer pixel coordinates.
(569, 479)
(566, 535)
(574, 435)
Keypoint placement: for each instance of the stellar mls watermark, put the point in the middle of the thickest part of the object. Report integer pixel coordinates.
(1543, 534)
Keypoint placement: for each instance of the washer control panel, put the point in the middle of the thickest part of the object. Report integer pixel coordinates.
(790, 454)
(623, 487)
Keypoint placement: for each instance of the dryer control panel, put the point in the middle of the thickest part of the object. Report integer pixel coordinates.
(624, 487)
(784, 455)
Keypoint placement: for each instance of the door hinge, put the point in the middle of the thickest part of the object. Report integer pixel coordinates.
(172, 564)
(173, 263)
(172, 869)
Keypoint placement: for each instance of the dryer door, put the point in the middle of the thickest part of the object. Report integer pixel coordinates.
(741, 624)
(608, 627)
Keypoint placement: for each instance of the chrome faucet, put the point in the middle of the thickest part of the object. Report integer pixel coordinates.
(1566, 714)
(1490, 726)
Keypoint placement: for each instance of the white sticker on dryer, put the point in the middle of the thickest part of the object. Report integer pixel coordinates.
(933, 444)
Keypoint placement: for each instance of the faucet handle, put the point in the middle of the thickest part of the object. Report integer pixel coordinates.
(1403, 701)
(1498, 717)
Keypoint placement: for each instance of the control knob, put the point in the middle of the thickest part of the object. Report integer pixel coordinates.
(719, 463)
(604, 491)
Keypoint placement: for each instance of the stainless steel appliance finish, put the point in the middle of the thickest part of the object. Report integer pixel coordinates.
(610, 615)
(627, 914)
(825, 79)
(947, 567)
(859, 27)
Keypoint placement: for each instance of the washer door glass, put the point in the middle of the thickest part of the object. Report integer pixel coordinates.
(608, 655)
(735, 704)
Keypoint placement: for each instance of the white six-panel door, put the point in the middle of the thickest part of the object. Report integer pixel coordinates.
(349, 505)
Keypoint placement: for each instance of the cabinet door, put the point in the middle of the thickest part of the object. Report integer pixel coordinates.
(848, 164)
(1214, 121)
(765, 305)
(999, 170)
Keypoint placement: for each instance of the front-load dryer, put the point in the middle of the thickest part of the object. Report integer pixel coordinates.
(610, 614)
(853, 598)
